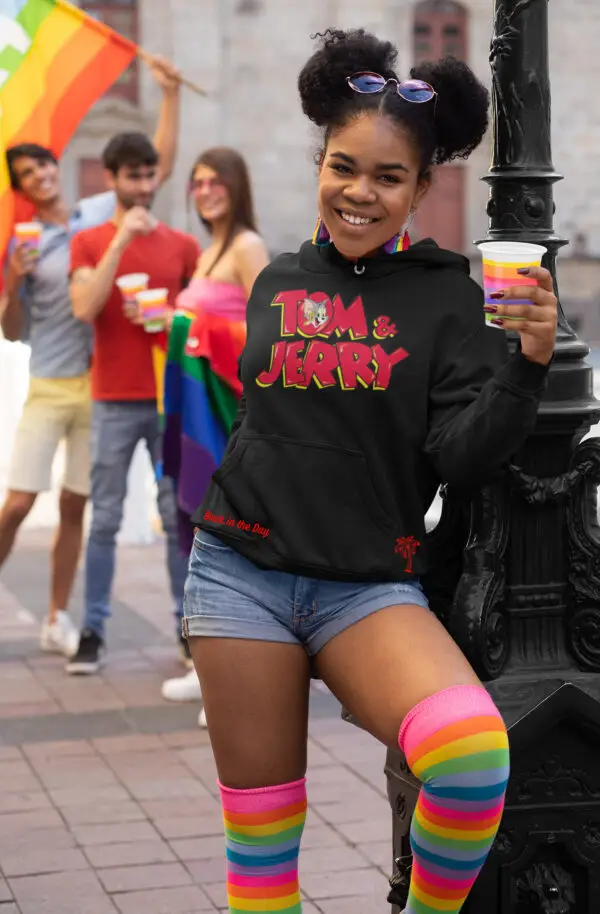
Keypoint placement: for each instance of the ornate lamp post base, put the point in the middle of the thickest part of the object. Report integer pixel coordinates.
(546, 858)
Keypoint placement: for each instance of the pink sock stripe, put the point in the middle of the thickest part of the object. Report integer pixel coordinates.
(262, 798)
(459, 814)
(444, 708)
(265, 882)
(439, 881)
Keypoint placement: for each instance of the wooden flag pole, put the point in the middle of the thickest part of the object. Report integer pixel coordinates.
(149, 59)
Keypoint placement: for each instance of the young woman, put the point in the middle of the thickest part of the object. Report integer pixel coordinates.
(369, 376)
(202, 387)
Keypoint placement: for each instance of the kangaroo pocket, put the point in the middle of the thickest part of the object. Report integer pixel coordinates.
(317, 502)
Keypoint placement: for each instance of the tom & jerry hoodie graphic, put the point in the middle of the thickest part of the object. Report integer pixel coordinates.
(365, 386)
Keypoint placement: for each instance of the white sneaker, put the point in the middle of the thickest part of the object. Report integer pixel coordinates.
(202, 720)
(60, 637)
(184, 688)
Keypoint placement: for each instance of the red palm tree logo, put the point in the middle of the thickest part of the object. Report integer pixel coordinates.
(407, 546)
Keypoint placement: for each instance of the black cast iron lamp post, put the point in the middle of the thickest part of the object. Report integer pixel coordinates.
(516, 570)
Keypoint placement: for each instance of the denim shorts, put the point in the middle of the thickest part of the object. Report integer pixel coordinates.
(227, 596)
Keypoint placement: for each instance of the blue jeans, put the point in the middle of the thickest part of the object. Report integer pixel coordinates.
(117, 427)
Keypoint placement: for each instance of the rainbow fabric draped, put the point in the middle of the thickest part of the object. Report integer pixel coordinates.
(55, 62)
(201, 397)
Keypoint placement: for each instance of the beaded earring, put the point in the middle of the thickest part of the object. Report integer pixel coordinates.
(321, 237)
(401, 241)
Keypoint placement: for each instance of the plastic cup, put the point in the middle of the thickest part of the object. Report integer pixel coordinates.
(130, 285)
(153, 306)
(501, 260)
(28, 235)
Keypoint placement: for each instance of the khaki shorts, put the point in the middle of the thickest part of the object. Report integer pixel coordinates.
(56, 409)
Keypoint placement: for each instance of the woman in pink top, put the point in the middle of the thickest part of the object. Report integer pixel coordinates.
(220, 188)
(208, 334)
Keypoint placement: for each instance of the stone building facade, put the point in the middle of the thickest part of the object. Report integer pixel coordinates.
(247, 55)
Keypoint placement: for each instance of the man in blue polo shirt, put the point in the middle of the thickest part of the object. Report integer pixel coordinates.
(35, 305)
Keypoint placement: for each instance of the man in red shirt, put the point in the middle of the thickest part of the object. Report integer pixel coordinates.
(123, 376)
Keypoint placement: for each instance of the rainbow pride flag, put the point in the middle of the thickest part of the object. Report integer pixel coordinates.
(55, 62)
(201, 397)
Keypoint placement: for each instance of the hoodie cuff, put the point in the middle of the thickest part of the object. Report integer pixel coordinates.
(523, 375)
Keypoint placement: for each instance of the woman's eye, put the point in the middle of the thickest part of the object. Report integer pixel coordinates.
(390, 179)
(341, 169)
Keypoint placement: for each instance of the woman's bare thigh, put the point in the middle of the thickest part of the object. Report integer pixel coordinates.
(384, 665)
(256, 696)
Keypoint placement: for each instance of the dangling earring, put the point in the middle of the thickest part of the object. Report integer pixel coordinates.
(321, 237)
(401, 241)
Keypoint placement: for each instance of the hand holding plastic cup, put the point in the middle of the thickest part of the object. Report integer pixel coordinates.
(153, 308)
(130, 285)
(28, 236)
(501, 262)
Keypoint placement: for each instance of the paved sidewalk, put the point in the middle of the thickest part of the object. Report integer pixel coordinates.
(108, 800)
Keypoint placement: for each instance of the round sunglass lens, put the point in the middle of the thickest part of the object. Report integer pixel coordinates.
(367, 82)
(415, 90)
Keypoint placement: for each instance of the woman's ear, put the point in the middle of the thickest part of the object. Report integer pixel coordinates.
(422, 188)
(320, 159)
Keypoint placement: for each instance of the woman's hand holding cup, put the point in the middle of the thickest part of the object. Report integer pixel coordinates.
(519, 296)
(535, 323)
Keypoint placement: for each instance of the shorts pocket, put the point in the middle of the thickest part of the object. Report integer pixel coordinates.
(317, 502)
(204, 540)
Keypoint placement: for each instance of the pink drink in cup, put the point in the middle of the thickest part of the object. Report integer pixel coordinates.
(153, 308)
(501, 261)
(28, 235)
(130, 285)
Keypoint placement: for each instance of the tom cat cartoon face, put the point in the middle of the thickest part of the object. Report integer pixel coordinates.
(313, 314)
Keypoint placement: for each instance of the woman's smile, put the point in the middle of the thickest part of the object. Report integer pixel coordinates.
(356, 220)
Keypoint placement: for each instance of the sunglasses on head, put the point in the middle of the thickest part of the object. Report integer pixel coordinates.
(198, 185)
(411, 90)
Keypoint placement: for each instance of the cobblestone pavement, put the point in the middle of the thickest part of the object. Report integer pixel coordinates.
(108, 798)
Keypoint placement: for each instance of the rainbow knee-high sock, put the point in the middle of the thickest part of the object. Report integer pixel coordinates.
(263, 829)
(456, 743)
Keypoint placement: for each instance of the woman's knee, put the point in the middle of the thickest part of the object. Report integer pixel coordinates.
(442, 735)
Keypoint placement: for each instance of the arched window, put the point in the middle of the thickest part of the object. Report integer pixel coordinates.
(122, 16)
(440, 29)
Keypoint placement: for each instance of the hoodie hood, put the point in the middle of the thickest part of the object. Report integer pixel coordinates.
(424, 254)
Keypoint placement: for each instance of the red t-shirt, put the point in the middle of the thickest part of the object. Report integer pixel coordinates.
(122, 366)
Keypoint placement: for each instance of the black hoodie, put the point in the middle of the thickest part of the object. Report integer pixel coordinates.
(365, 385)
